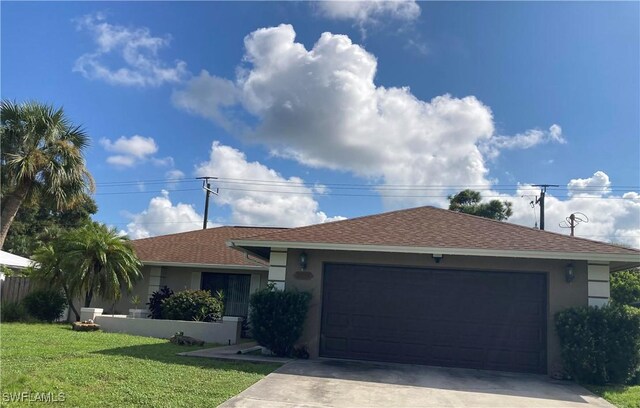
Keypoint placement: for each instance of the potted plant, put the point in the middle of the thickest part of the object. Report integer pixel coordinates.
(136, 312)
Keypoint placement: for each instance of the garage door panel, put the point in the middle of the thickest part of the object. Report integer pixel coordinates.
(336, 345)
(483, 319)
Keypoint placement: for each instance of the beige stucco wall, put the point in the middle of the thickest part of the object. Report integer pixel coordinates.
(123, 305)
(177, 279)
(560, 294)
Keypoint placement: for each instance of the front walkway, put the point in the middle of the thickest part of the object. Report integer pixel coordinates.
(339, 383)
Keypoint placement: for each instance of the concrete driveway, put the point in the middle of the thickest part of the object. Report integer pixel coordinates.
(339, 383)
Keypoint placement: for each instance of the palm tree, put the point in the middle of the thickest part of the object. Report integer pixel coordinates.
(41, 153)
(102, 262)
(49, 271)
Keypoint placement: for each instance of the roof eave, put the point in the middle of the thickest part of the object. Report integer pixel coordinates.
(632, 259)
(205, 265)
(249, 251)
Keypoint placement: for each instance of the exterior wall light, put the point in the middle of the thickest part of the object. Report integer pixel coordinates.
(569, 273)
(303, 260)
(437, 258)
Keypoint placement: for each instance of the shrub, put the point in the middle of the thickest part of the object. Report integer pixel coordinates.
(277, 318)
(45, 304)
(600, 345)
(155, 301)
(625, 287)
(13, 312)
(193, 305)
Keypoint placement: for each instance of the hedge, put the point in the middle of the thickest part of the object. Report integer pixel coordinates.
(600, 345)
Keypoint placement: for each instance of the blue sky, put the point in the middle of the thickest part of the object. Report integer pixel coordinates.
(525, 93)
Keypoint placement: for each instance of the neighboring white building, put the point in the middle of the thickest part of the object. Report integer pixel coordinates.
(12, 261)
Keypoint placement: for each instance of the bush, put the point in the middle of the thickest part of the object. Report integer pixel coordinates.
(155, 301)
(600, 345)
(193, 305)
(277, 318)
(13, 312)
(625, 287)
(46, 304)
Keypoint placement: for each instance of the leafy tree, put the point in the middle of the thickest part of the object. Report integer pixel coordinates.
(102, 262)
(470, 202)
(625, 286)
(39, 223)
(51, 272)
(41, 154)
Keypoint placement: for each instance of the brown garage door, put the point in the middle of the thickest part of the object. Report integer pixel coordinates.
(474, 319)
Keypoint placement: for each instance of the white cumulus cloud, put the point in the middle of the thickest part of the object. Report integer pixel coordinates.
(270, 204)
(363, 12)
(134, 49)
(208, 95)
(163, 217)
(598, 184)
(526, 140)
(173, 177)
(133, 150)
(322, 108)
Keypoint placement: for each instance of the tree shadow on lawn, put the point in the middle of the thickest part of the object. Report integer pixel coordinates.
(167, 353)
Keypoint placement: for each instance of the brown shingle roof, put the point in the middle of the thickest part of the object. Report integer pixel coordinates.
(197, 247)
(430, 227)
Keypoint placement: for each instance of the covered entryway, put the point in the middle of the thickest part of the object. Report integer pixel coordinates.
(455, 318)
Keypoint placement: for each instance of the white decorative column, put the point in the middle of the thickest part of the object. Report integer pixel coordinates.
(598, 281)
(278, 267)
(156, 278)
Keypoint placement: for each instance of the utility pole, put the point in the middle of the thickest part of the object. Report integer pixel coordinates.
(207, 188)
(540, 200)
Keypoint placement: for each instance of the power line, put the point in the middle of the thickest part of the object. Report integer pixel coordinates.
(374, 194)
(303, 184)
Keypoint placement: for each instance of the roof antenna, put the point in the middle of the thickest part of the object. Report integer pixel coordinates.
(573, 220)
(207, 187)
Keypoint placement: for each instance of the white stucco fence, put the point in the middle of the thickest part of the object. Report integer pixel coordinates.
(225, 332)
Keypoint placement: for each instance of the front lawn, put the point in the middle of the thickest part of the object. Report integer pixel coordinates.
(622, 396)
(109, 369)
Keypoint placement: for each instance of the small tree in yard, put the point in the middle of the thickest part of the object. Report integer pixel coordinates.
(45, 304)
(50, 273)
(277, 318)
(156, 300)
(103, 262)
(625, 287)
(88, 261)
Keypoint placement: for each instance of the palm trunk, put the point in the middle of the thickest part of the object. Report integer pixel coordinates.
(70, 301)
(10, 206)
(87, 298)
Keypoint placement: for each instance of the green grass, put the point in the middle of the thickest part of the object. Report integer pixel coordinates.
(109, 369)
(622, 396)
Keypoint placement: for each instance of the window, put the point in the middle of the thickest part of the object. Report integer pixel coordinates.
(235, 289)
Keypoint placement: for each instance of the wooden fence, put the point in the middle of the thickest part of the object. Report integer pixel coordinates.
(14, 288)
